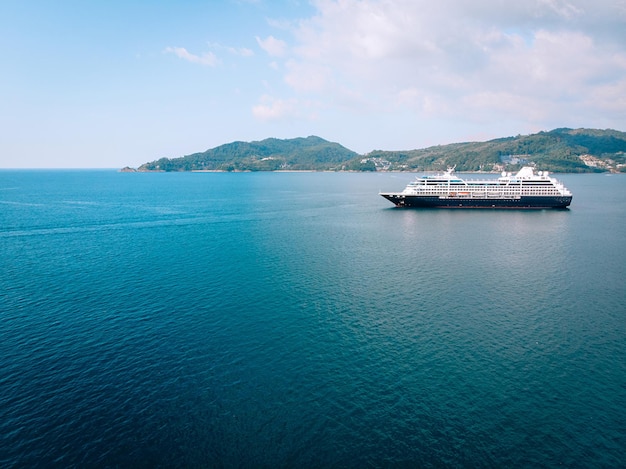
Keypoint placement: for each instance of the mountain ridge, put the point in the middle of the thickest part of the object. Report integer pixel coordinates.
(559, 150)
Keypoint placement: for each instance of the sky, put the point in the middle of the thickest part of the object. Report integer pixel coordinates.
(108, 84)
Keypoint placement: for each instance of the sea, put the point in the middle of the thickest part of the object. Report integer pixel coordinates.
(279, 320)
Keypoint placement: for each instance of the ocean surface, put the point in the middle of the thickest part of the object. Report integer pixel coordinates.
(300, 320)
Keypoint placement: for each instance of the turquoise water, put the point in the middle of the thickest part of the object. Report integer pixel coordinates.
(299, 320)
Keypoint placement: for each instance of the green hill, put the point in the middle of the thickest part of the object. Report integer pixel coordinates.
(311, 153)
(561, 150)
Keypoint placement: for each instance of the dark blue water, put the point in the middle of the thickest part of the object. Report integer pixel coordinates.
(299, 320)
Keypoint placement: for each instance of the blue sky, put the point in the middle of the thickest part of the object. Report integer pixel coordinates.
(105, 84)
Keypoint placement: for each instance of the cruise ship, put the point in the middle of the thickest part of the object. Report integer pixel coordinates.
(525, 190)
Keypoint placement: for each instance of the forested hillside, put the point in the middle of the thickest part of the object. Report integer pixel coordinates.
(564, 150)
(561, 150)
(311, 153)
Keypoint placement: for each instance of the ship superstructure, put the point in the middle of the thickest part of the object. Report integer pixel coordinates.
(525, 189)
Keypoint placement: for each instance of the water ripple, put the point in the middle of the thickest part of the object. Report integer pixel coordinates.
(152, 322)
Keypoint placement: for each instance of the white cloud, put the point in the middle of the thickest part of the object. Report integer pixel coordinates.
(271, 108)
(207, 58)
(240, 51)
(537, 60)
(307, 77)
(562, 8)
(274, 47)
(608, 99)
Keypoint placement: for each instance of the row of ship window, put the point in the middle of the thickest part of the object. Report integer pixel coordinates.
(495, 184)
(526, 190)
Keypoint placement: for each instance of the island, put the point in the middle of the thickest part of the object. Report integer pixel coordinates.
(558, 150)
